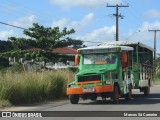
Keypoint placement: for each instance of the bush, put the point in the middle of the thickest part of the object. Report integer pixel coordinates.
(33, 87)
(16, 67)
(73, 69)
(4, 62)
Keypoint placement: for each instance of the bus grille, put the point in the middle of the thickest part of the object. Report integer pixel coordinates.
(89, 78)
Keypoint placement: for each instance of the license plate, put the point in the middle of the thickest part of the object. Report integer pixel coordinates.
(88, 89)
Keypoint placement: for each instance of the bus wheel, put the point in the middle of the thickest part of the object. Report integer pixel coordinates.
(115, 95)
(93, 96)
(128, 96)
(146, 91)
(74, 99)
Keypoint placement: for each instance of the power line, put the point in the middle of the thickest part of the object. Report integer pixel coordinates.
(117, 15)
(23, 10)
(12, 25)
(134, 12)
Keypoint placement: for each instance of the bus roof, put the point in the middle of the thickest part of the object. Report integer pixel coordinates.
(124, 43)
(126, 48)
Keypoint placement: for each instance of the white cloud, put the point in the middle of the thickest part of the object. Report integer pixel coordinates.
(153, 13)
(24, 22)
(99, 35)
(77, 25)
(82, 23)
(142, 34)
(83, 3)
(147, 25)
(60, 23)
(5, 34)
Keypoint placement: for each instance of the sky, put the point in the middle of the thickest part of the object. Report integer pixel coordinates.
(93, 22)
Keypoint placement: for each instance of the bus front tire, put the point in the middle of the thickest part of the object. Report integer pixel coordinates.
(146, 91)
(115, 95)
(128, 96)
(74, 99)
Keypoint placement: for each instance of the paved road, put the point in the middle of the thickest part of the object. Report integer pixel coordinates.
(137, 103)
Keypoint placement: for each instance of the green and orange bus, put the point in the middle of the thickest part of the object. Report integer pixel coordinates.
(112, 70)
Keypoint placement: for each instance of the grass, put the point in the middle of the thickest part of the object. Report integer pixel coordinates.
(5, 103)
(30, 87)
(157, 81)
(157, 77)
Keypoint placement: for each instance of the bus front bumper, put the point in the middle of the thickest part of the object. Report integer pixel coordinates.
(96, 89)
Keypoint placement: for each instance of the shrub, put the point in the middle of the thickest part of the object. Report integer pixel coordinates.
(30, 87)
(16, 67)
(73, 69)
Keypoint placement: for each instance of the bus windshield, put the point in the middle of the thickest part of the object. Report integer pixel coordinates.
(109, 58)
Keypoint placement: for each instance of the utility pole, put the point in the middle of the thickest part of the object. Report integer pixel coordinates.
(117, 15)
(155, 34)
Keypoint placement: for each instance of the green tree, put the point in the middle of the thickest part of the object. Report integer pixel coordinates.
(5, 46)
(44, 38)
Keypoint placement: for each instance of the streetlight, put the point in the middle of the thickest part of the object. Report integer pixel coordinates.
(133, 34)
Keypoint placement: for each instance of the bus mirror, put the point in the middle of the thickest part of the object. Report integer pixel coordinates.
(76, 60)
(124, 59)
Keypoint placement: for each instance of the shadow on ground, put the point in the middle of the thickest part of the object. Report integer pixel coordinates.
(137, 99)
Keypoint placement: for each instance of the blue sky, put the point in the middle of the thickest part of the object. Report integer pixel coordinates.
(91, 19)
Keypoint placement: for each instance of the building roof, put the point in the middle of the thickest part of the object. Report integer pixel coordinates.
(125, 43)
(62, 50)
(65, 50)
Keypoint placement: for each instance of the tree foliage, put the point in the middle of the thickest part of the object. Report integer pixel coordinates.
(44, 38)
(5, 46)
